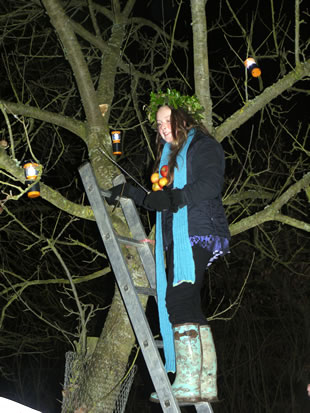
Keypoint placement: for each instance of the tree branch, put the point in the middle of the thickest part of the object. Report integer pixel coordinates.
(271, 212)
(77, 127)
(201, 62)
(47, 193)
(251, 194)
(297, 25)
(254, 105)
(76, 59)
(293, 222)
(59, 201)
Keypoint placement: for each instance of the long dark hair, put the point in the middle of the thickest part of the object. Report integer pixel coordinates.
(181, 123)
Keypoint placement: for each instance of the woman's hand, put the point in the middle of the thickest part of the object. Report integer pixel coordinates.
(167, 199)
(128, 191)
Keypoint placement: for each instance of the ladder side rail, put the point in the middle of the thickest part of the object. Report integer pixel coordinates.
(138, 232)
(134, 308)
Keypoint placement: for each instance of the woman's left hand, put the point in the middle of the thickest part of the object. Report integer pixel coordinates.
(167, 199)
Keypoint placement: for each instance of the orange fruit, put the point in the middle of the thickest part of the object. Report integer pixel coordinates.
(155, 177)
(163, 181)
(156, 187)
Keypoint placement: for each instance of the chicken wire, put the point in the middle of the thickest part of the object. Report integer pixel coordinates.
(72, 400)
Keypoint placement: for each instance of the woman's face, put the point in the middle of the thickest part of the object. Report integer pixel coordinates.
(163, 123)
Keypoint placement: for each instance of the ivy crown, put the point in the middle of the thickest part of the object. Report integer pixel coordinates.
(174, 99)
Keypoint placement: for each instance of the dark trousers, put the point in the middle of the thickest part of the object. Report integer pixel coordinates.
(184, 302)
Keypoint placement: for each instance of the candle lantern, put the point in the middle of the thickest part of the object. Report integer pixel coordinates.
(116, 142)
(31, 170)
(252, 67)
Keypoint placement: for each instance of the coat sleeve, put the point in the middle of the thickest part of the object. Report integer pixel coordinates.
(207, 164)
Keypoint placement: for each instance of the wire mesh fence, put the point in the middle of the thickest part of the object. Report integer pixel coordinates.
(76, 375)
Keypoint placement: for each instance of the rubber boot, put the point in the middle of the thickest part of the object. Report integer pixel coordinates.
(208, 386)
(186, 386)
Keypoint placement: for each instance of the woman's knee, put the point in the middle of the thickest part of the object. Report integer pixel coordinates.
(183, 303)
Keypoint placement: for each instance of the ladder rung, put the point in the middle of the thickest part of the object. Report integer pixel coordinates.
(159, 343)
(146, 291)
(201, 407)
(130, 241)
(105, 194)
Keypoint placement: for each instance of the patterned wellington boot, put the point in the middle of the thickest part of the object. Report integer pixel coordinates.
(186, 386)
(208, 386)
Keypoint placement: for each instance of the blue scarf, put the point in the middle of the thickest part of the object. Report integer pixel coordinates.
(184, 268)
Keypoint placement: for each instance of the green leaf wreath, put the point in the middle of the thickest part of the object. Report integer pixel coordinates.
(174, 99)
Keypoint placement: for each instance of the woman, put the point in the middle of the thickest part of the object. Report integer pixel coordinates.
(192, 229)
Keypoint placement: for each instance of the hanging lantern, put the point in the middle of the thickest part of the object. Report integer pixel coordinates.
(252, 67)
(31, 170)
(116, 142)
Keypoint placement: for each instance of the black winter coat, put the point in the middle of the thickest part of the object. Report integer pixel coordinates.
(202, 193)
